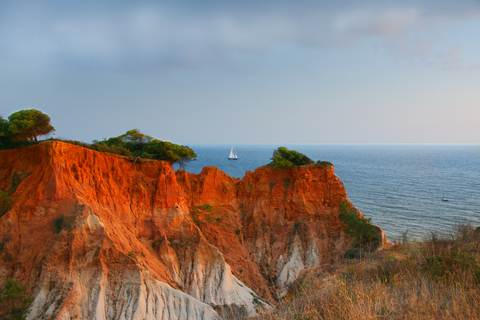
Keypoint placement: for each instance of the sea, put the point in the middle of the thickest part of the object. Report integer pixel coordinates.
(407, 190)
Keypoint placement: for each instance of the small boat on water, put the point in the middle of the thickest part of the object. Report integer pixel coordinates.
(232, 155)
(444, 199)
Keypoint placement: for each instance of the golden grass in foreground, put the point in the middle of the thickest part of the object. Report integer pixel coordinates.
(436, 279)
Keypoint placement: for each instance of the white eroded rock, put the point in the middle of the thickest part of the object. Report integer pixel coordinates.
(290, 268)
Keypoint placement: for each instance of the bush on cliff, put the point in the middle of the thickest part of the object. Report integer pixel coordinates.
(324, 164)
(14, 301)
(365, 235)
(28, 125)
(285, 158)
(24, 127)
(136, 144)
(3, 130)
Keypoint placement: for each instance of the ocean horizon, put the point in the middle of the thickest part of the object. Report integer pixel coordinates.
(407, 188)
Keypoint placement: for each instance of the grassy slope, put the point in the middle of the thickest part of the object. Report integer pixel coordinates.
(436, 279)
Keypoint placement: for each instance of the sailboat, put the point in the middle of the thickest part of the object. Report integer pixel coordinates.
(232, 155)
(444, 199)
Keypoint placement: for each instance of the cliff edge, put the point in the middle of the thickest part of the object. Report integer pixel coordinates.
(98, 236)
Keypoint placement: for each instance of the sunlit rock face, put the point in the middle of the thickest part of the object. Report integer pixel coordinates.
(98, 236)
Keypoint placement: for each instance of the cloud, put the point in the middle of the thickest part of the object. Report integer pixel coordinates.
(378, 23)
(129, 34)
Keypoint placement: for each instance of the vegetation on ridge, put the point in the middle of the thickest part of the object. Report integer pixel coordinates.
(286, 158)
(24, 127)
(133, 143)
(366, 236)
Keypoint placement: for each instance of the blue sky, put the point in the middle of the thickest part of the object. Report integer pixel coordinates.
(247, 71)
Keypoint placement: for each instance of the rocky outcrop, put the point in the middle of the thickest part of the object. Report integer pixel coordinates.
(99, 236)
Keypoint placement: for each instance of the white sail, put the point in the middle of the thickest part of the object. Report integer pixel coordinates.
(232, 155)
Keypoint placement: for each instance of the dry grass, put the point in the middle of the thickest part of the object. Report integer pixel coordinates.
(435, 279)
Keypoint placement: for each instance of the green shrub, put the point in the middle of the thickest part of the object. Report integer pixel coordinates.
(285, 158)
(200, 218)
(28, 125)
(62, 223)
(324, 164)
(444, 266)
(212, 218)
(136, 144)
(5, 138)
(23, 128)
(365, 235)
(353, 253)
(205, 207)
(14, 301)
(5, 202)
(203, 214)
(111, 148)
(58, 224)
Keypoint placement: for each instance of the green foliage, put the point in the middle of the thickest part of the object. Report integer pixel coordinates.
(445, 268)
(136, 144)
(4, 136)
(14, 301)
(58, 224)
(324, 164)
(353, 253)
(23, 128)
(205, 207)
(27, 125)
(5, 202)
(6, 195)
(203, 214)
(17, 178)
(62, 223)
(285, 158)
(365, 235)
(447, 260)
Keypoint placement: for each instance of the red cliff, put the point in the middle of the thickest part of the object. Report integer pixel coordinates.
(98, 236)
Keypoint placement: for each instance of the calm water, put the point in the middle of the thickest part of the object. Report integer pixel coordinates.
(399, 186)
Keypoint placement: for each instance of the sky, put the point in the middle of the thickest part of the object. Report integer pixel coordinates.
(246, 72)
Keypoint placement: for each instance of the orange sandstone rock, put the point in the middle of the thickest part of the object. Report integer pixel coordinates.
(96, 235)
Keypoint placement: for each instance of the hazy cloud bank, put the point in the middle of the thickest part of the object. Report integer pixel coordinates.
(148, 34)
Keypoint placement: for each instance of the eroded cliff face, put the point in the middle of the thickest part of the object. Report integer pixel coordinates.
(97, 236)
